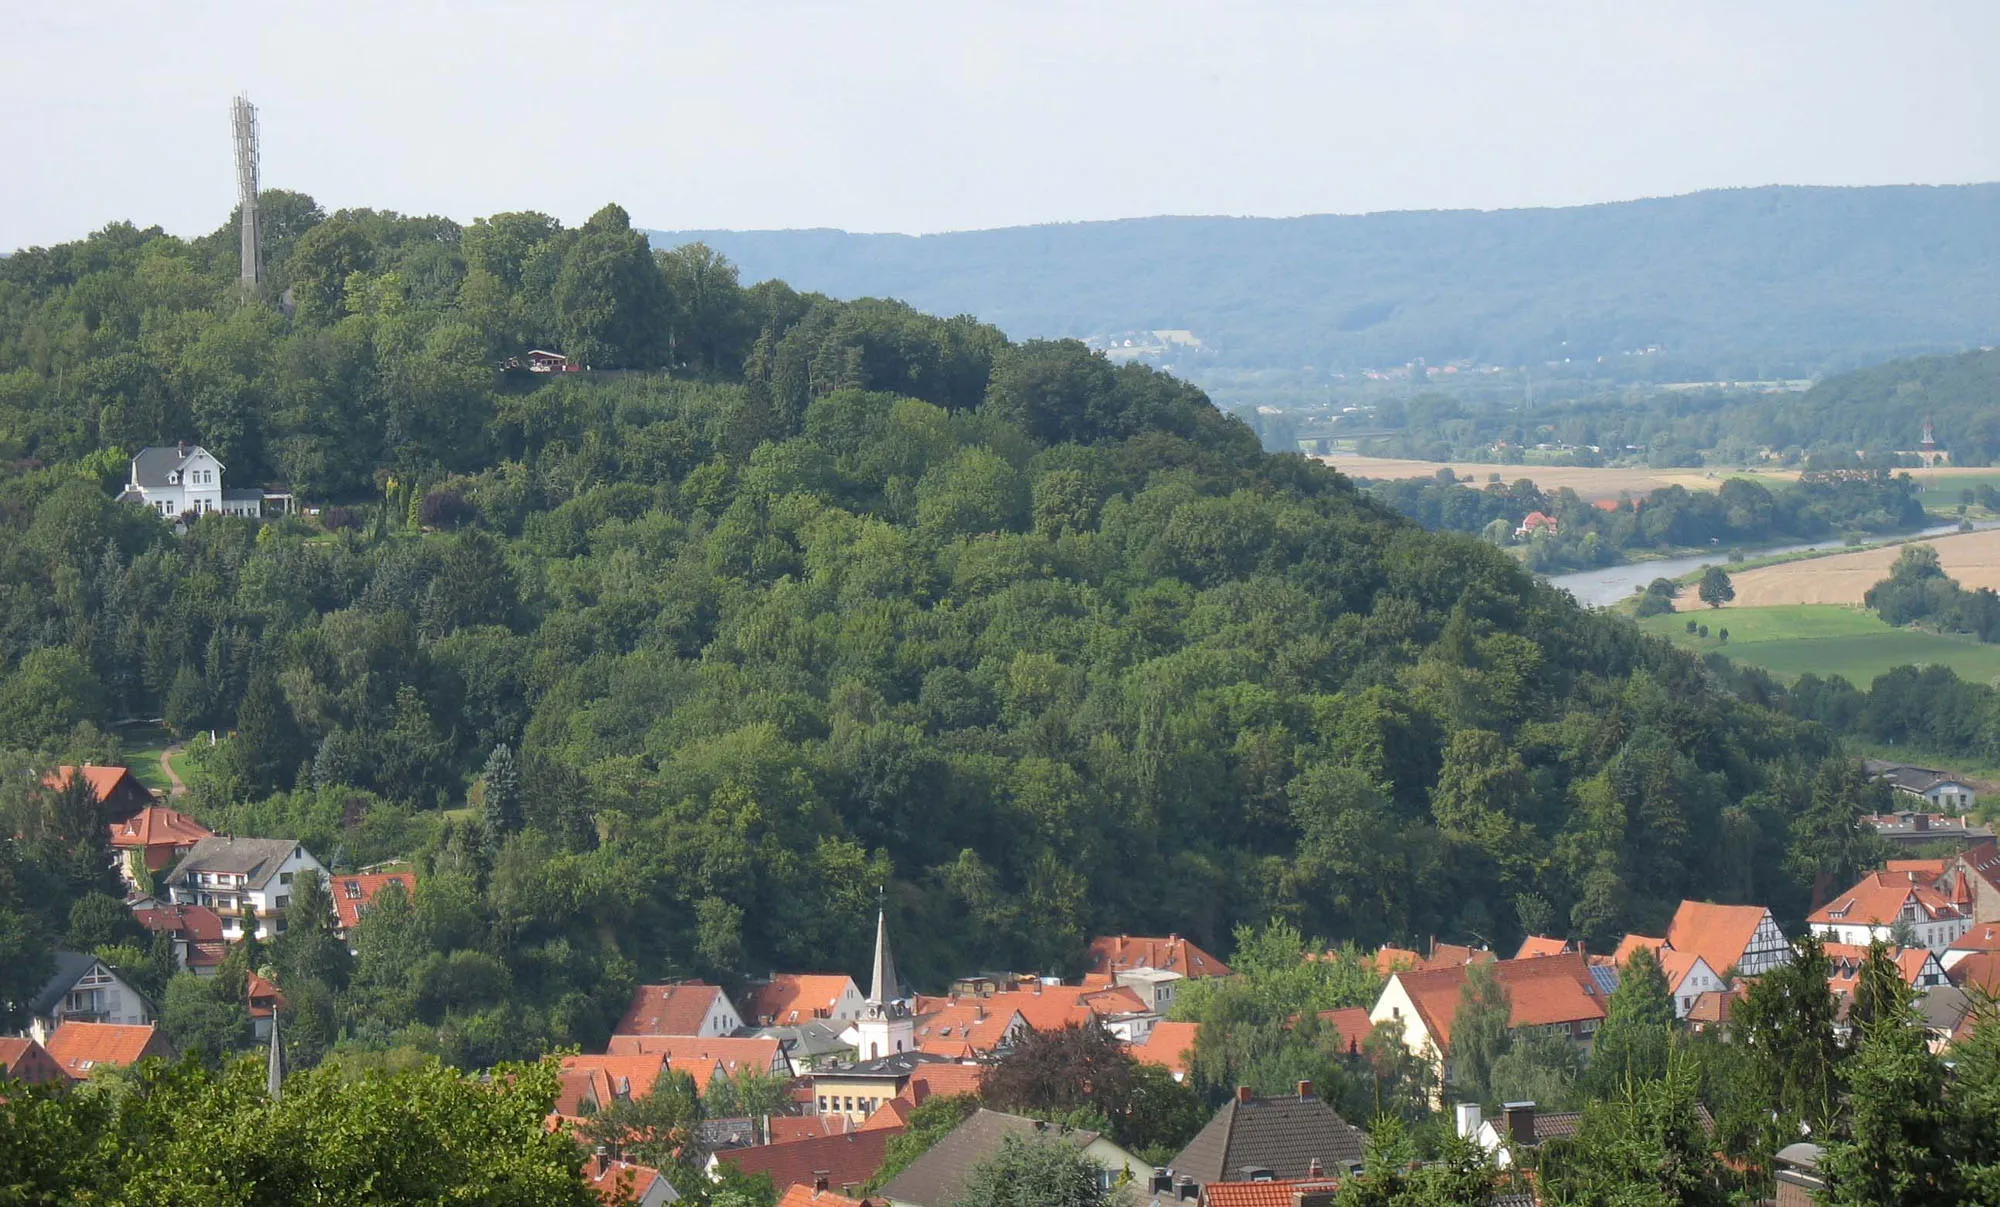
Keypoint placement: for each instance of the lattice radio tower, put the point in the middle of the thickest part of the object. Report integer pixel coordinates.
(243, 116)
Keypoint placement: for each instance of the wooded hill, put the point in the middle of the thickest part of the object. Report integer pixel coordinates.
(822, 595)
(1741, 283)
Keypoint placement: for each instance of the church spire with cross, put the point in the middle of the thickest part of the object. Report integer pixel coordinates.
(885, 1026)
(883, 989)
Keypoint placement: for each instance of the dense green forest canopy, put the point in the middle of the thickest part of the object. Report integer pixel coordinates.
(662, 668)
(1756, 283)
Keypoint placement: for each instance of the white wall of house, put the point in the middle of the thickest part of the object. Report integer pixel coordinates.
(1935, 935)
(1395, 1005)
(227, 892)
(1698, 979)
(98, 996)
(722, 1018)
(1768, 948)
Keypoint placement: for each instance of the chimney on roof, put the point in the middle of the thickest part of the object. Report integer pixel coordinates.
(1921, 821)
(181, 447)
(1520, 1118)
(1162, 1181)
(820, 1177)
(597, 1161)
(1314, 1169)
(1305, 1089)
(1469, 1118)
(1190, 1189)
(1242, 1093)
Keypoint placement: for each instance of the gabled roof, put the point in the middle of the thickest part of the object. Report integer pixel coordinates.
(1980, 970)
(1284, 1135)
(1542, 945)
(195, 923)
(793, 997)
(1168, 1045)
(1715, 1005)
(1349, 1025)
(150, 466)
(937, 1179)
(967, 1027)
(1719, 934)
(28, 1062)
(70, 967)
(787, 1128)
(595, 1081)
(1983, 936)
(353, 895)
(621, 1182)
(849, 1160)
(155, 826)
(1543, 991)
(1118, 953)
(801, 1194)
(103, 781)
(1879, 899)
(258, 859)
(1632, 943)
(1847, 958)
(82, 1048)
(677, 1009)
(702, 1057)
(263, 997)
(943, 1079)
(893, 1113)
(1264, 1194)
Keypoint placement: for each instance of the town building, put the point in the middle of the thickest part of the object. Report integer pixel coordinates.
(816, 1194)
(859, 1090)
(1169, 1045)
(1942, 792)
(354, 895)
(28, 1062)
(186, 479)
(83, 989)
(1883, 903)
(1970, 879)
(939, 1177)
(1743, 939)
(683, 1008)
(706, 1057)
(149, 841)
(1555, 994)
(623, 1184)
(119, 793)
(1688, 976)
(788, 999)
(844, 1162)
(195, 932)
(242, 879)
(884, 1026)
(82, 1050)
(1254, 1139)
(1113, 954)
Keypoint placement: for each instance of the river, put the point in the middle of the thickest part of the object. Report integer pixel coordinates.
(1606, 585)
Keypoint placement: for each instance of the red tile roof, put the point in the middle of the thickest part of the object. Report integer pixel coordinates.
(1632, 943)
(1980, 970)
(796, 997)
(801, 1194)
(1119, 953)
(1541, 945)
(848, 1160)
(1263, 1194)
(701, 1056)
(263, 996)
(596, 1080)
(965, 1028)
(159, 831)
(82, 1048)
(1719, 934)
(1350, 1028)
(1716, 1005)
(1878, 900)
(893, 1113)
(1847, 959)
(1544, 991)
(943, 1079)
(619, 1182)
(28, 1062)
(1396, 959)
(1169, 1046)
(1443, 955)
(103, 781)
(787, 1128)
(1984, 936)
(195, 923)
(352, 895)
(678, 1009)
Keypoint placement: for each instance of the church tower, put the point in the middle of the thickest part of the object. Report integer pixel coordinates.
(885, 1026)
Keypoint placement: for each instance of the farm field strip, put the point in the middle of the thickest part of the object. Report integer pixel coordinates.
(1973, 558)
(1824, 639)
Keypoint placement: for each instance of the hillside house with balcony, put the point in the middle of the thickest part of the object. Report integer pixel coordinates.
(242, 878)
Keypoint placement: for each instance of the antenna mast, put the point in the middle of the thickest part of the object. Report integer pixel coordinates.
(243, 116)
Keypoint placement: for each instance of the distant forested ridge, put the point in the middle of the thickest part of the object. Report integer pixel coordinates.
(662, 668)
(1755, 283)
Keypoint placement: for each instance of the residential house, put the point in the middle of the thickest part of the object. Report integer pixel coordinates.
(1542, 945)
(1169, 1045)
(1971, 880)
(264, 1001)
(816, 1194)
(1711, 1010)
(1389, 960)
(195, 932)
(1534, 522)
(705, 1057)
(810, 1045)
(586, 1085)
(186, 479)
(623, 1184)
(81, 1049)
(1799, 1180)
(1944, 1013)
(1255, 1139)
(967, 1029)
(1910, 827)
(1154, 987)
(147, 842)
(789, 998)
(1113, 954)
(84, 989)
(117, 790)
(1522, 1125)
(28, 1062)
(1942, 791)
(1348, 1027)
(1874, 909)
(1978, 971)
(1688, 976)
(858, 1090)
(1919, 967)
(1980, 937)
(242, 879)
(844, 1163)
(1286, 1192)
(1552, 993)
(685, 1008)
(939, 1177)
(353, 896)
(1740, 938)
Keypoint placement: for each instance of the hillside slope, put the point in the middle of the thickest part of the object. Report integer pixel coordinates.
(1746, 282)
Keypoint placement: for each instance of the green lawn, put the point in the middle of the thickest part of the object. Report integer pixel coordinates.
(1827, 640)
(142, 745)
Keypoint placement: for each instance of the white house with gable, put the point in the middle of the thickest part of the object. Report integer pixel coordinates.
(186, 478)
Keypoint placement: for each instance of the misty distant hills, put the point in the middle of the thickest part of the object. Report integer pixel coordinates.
(1780, 281)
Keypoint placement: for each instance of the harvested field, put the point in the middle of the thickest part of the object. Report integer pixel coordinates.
(1590, 484)
(1973, 558)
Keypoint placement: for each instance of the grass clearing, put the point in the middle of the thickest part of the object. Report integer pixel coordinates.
(142, 745)
(1824, 639)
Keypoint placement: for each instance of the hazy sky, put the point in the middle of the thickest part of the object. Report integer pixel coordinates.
(880, 115)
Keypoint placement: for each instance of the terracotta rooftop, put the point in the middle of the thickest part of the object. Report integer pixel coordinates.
(787, 1128)
(593, 1082)
(1168, 1045)
(28, 1062)
(846, 1161)
(1348, 1026)
(795, 997)
(619, 1182)
(893, 1113)
(82, 1048)
(1543, 991)
(1264, 1194)
(157, 825)
(1980, 970)
(1715, 1005)
(352, 895)
(1879, 898)
(943, 1079)
(1719, 934)
(702, 1056)
(966, 1027)
(1983, 936)
(1541, 945)
(1120, 953)
(679, 1009)
(103, 781)
(801, 1194)
(1632, 943)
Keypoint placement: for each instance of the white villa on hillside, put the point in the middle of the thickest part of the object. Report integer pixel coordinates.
(187, 478)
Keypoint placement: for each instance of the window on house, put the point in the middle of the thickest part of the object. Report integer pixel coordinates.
(284, 877)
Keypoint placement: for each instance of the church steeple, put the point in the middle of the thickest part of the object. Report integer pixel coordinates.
(883, 991)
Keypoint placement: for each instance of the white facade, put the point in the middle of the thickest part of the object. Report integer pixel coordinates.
(1937, 935)
(721, 1019)
(186, 478)
(1768, 948)
(1156, 987)
(1697, 980)
(98, 996)
(228, 892)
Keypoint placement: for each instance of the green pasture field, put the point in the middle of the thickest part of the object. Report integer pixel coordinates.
(1824, 639)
